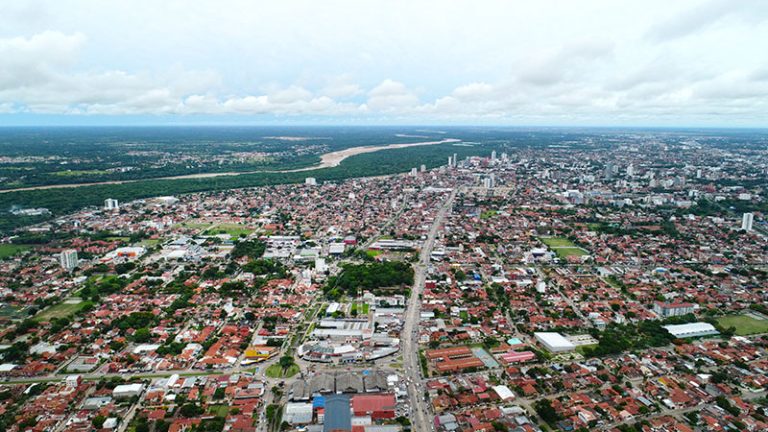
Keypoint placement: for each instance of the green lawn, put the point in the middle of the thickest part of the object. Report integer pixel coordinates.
(275, 371)
(360, 308)
(745, 325)
(9, 250)
(120, 239)
(74, 173)
(580, 348)
(219, 410)
(555, 242)
(563, 247)
(61, 310)
(488, 214)
(373, 253)
(148, 243)
(234, 230)
(196, 225)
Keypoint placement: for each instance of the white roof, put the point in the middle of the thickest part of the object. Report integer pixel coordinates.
(7, 367)
(504, 392)
(554, 340)
(298, 407)
(128, 388)
(691, 328)
(145, 348)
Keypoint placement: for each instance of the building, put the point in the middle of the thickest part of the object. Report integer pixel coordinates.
(338, 415)
(111, 204)
(68, 259)
(298, 413)
(127, 391)
(377, 406)
(746, 221)
(672, 309)
(697, 329)
(310, 181)
(554, 342)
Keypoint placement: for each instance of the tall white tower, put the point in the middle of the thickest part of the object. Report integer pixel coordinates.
(111, 204)
(68, 259)
(746, 221)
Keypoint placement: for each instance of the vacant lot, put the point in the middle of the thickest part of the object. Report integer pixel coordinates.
(64, 309)
(234, 230)
(275, 371)
(745, 325)
(9, 250)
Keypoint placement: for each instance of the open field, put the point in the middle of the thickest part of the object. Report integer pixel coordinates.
(234, 230)
(275, 371)
(75, 173)
(196, 225)
(745, 325)
(9, 250)
(556, 242)
(563, 247)
(61, 310)
(359, 308)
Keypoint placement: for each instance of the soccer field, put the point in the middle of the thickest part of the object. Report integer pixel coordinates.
(745, 325)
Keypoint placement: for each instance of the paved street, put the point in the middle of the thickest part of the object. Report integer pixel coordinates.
(410, 347)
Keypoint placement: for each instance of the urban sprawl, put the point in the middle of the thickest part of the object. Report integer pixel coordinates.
(531, 290)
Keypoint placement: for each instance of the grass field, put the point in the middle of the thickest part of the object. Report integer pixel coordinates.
(556, 242)
(120, 239)
(9, 250)
(234, 230)
(745, 325)
(275, 371)
(360, 308)
(488, 214)
(61, 310)
(148, 243)
(373, 253)
(563, 247)
(219, 410)
(74, 173)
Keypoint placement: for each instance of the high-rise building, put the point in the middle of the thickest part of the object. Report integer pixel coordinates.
(68, 259)
(455, 160)
(111, 204)
(746, 221)
(493, 156)
(608, 171)
(310, 181)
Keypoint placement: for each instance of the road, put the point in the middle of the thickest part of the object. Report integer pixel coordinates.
(420, 417)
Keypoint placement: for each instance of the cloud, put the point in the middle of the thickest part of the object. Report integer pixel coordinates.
(390, 96)
(549, 62)
(695, 19)
(34, 60)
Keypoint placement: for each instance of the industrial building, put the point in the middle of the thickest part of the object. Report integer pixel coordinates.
(554, 342)
(697, 329)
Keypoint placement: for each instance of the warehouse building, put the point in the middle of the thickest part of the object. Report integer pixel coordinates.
(554, 342)
(697, 329)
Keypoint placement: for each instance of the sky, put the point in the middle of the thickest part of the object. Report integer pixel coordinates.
(543, 62)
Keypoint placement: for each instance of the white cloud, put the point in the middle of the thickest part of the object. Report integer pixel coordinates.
(591, 61)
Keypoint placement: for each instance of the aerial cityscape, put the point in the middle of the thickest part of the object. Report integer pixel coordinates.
(358, 234)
